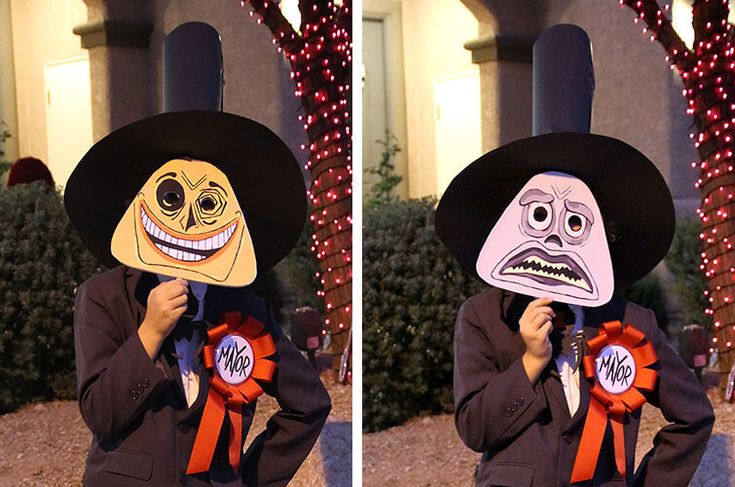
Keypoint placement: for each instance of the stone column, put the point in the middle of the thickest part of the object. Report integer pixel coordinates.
(505, 82)
(117, 37)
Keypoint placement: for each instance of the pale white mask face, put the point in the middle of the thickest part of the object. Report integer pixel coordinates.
(550, 242)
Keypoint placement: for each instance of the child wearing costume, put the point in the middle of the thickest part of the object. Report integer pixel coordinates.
(550, 368)
(171, 351)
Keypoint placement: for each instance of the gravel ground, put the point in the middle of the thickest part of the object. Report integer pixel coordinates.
(426, 451)
(46, 444)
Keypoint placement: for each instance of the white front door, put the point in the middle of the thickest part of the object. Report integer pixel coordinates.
(458, 136)
(68, 115)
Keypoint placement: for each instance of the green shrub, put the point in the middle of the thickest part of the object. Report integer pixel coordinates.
(298, 272)
(649, 293)
(412, 289)
(683, 261)
(42, 261)
(382, 190)
(292, 283)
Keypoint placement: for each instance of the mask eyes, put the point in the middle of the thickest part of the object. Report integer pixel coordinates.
(207, 203)
(170, 195)
(539, 215)
(575, 227)
(575, 224)
(211, 204)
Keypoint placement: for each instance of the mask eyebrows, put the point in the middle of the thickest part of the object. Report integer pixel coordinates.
(212, 184)
(191, 184)
(172, 174)
(535, 195)
(579, 208)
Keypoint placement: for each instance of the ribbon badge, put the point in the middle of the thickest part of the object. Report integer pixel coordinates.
(237, 354)
(617, 366)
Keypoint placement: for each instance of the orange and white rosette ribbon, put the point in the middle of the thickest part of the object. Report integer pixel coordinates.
(617, 366)
(237, 352)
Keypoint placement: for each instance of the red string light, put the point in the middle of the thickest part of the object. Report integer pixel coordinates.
(708, 74)
(320, 55)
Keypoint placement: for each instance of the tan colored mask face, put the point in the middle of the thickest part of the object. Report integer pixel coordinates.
(186, 222)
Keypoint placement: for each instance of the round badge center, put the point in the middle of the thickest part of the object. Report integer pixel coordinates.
(615, 369)
(234, 359)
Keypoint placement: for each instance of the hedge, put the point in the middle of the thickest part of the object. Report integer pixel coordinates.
(412, 288)
(42, 262)
(683, 260)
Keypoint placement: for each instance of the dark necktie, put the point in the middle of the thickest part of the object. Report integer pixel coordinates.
(186, 325)
(561, 337)
(192, 306)
(185, 329)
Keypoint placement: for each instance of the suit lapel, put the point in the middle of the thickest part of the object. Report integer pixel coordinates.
(139, 284)
(513, 306)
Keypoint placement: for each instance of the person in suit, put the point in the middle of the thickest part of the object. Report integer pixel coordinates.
(565, 218)
(136, 406)
(142, 329)
(512, 405)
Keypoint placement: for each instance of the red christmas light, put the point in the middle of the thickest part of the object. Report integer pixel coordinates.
(708, 74)
(320, 55)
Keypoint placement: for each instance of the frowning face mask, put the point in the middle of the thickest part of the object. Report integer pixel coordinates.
(550, 242)
(186, 222)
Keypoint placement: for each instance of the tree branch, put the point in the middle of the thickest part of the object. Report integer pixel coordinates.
(282, 30)
(709, 18)
(653, 16)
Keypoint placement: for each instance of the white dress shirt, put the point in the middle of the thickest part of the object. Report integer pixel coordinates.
(186, 349)
(565, 364)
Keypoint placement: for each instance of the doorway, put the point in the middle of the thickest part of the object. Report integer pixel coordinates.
(68, 115)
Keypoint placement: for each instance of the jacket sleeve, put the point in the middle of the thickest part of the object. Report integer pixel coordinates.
(491, 405)
(677, 447)
(115, 377)
(276, 454)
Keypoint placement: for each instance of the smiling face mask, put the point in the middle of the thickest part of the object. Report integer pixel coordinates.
(186, 222)
(550, 242)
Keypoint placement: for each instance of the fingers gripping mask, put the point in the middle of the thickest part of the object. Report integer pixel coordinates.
(186, 222)
(550, 242)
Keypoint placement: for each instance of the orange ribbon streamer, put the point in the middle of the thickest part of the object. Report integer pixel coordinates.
(223, 397)
(605, 405)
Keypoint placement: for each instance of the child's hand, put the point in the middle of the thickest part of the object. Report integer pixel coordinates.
(535, 326)
(166, 304)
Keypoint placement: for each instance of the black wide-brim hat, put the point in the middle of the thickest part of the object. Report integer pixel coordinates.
(263, 173)
(634, 201)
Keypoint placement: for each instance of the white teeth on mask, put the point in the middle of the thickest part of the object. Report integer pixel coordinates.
(179, 254)
(214, 242)
(521, 269)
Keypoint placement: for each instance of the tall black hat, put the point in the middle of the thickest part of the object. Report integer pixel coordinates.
(634, 201)
(263, 172)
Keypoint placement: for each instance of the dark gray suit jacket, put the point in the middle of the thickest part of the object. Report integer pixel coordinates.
(525, 431)
(136, 408)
